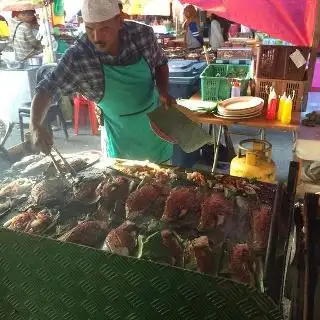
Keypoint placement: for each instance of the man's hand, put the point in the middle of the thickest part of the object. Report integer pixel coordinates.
(167, 101)
(41, 139)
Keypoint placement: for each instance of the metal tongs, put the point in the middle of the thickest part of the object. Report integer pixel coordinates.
(67, 165)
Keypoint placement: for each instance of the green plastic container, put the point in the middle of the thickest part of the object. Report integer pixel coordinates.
(216, 80)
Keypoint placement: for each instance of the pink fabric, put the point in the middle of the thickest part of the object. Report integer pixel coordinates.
(316, 76)
(289, 20)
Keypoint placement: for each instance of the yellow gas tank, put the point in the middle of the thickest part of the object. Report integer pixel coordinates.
(254, 161)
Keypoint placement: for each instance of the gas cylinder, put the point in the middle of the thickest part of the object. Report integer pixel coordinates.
(254, 161)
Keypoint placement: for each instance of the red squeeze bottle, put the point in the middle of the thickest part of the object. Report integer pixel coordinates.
(272, 106)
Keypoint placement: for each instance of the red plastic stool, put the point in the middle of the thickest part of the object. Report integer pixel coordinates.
(79, 102)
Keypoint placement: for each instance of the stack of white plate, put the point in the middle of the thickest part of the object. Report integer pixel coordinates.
(240, 108)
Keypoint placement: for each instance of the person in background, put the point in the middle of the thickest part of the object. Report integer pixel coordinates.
(215, 34)
(123, 15)
(24, 30)
(234, 29)
(193, 38)
(119, 65)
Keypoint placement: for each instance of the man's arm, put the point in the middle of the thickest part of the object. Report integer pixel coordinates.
(39, 109)
(162, 79)
(62, 81)
(161, 69)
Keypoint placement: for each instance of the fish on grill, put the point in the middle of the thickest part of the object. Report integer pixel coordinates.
(87, 233)
(26, 161)
(53, 190)
(112, 190)
(197, 177)
(122, 240)
(261, 221)
(85, 188)
(16, 188)
(215, 209)
(180, 202)
(240, 263)
(37, 168)
(149, 199)
(163, 247)
(30, 221)
(198, 255)
(78, 164)
(113, 193)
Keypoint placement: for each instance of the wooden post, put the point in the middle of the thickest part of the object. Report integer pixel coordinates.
(314, 48)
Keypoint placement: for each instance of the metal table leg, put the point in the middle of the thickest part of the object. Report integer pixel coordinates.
(214, 136)
(216, 153)
(294, 141)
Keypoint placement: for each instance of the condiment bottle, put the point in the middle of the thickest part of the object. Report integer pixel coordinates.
(287, 111)
(281, 104)
(272, 106)
(235, 90)
(249, 89)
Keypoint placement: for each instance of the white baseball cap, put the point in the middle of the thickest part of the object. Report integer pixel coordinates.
(99, 10)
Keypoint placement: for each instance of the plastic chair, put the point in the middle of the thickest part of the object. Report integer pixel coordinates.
(79, 102)
(54, 112)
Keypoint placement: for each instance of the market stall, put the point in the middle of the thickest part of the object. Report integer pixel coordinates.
(146, 214)
(107, 241)
(278, 70)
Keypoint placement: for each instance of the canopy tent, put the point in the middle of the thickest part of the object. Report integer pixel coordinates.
(289, 20)
(147, 7)
(18, 5)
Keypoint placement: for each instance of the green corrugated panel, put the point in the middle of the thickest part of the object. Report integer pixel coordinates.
(43, 279)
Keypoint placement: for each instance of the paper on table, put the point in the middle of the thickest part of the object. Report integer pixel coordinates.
(196, 105)
(175, 124)
(298, 59)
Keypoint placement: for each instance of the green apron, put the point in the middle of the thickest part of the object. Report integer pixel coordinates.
(130, 94)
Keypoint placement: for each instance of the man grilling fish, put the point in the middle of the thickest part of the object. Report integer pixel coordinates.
(119, 65)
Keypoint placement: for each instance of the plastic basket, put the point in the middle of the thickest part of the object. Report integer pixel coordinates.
(234, 53)
(216, 80)
(282, 86)
(45, 279)
(274, 62)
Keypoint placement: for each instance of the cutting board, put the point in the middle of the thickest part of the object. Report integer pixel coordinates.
(174, 126)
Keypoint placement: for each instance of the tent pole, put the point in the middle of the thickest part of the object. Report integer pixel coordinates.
(47, 24)
(314, 48)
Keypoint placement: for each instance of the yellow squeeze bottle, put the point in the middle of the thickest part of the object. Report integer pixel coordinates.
(281, 104)
(287, 111)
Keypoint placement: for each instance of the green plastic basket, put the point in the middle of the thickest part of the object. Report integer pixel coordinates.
(216, 80)
(43, 279)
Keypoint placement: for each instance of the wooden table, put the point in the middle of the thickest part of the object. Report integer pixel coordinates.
(260, 123)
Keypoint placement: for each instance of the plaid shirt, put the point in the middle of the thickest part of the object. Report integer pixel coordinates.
(80, 69)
